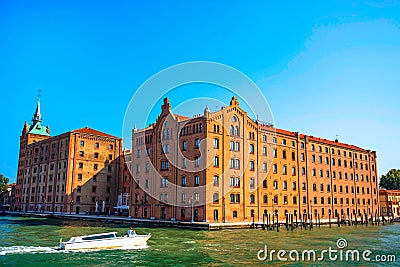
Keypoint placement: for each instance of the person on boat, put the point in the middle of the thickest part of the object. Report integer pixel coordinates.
(131, 232)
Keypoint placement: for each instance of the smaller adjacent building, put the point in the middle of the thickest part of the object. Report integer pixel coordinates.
(7, 197)
(389, 202)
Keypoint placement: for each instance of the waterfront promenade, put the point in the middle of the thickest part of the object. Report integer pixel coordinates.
(199, 225)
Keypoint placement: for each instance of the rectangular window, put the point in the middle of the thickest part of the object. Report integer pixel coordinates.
(216, 161)
(232, 181)
(237, 182)
(216, 143)
(216, 180)
(264, 151)
(184, 163)
(251, 149)
(237, 198)
(215, 198)
(237, 164)
(196, 180)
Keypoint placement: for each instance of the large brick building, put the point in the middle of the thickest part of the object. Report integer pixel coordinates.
(77, 171)
(226, 167)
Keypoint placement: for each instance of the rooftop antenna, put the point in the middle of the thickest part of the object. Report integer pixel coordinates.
(337, 136)
(39, 93)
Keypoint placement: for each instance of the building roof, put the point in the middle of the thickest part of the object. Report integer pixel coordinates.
(87, 130)
(317, 139)
(388, 191)
(181, 118)
(38, 128)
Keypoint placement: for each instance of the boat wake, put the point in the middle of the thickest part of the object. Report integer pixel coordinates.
(133, 247)
(23, 249)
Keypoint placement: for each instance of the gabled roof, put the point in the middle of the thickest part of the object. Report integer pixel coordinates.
(38, 128)
(87, 130)
(181, 118)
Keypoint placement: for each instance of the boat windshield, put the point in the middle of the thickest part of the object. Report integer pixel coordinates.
(96, 237)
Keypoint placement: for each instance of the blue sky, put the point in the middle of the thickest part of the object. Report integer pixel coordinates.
(326, 68)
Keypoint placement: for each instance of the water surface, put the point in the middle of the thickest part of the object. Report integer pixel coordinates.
(31, 242)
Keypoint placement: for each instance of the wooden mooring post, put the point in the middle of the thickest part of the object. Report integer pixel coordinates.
(291, 219)
(329, 214)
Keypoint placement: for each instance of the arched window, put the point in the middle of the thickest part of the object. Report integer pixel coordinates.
(231, 130)
(215, 198)
(284, 169)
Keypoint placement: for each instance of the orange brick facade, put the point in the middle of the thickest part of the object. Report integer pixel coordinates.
(226, 167)
(69, 172)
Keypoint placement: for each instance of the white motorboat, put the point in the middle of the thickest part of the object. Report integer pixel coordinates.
(104, 241)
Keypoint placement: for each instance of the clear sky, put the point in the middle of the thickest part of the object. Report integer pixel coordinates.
(326, 68)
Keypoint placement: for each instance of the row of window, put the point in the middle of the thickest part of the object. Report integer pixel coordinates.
(96, 145)
(95, 155)
(45, 158)
(339, 162)
(27, 179)
(45, 148)
(94, 178)
(192, 129)
(197, 144)
(42, 189)
(44, 167)
(356, 156)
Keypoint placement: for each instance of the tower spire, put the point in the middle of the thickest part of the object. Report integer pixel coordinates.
(37, 117)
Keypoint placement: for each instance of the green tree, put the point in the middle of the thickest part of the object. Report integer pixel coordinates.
(3, 183)
(391, 180)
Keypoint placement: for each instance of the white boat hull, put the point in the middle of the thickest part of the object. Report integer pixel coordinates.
(109, 243)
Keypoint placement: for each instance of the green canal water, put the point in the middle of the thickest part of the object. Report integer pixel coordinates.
(31, 242)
